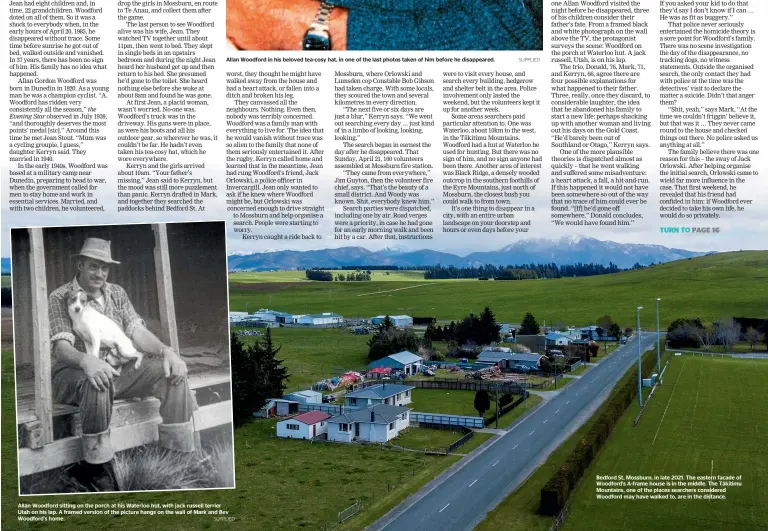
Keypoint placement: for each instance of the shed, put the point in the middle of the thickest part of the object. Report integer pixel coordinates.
(321, 319)
(402, 321)
(305, 397)
(404, 361)
(304, 426)
(511, 360)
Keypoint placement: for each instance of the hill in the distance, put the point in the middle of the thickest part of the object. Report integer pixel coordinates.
(566, 250)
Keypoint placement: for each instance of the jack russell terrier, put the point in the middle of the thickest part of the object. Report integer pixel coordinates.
(95, 329)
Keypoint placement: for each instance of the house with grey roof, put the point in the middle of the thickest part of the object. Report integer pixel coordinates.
(405, 361)
(386, 393)
(376, 423)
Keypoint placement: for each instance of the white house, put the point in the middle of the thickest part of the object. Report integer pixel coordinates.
(389, 394)
(321, 319)
(304, 426)
(236, 317)
(378, 423)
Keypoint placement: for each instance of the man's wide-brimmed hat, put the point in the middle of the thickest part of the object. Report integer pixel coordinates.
(97, 249)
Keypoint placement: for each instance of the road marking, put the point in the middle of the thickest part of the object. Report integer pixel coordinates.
(516, 446)
(668, 402)
(556, 412)
(545, 421)
(531, 433)
(496, 463)
(567, 402)
(473, 483)
(444, 508)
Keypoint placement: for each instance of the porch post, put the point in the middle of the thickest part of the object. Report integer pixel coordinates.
(41, 339)
(165, 286)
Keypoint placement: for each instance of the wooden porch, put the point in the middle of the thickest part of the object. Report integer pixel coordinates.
(49, 433)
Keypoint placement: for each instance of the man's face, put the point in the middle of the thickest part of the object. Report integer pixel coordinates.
(92, 273)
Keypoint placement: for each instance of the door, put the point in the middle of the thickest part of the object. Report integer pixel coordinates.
(313, 430)
(357, 429)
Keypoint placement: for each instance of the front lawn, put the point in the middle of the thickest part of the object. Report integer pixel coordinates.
(443, 401)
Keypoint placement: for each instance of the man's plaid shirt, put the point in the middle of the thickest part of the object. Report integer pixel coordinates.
(116, 306)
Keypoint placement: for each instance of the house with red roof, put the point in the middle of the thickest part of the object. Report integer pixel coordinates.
(304, 426)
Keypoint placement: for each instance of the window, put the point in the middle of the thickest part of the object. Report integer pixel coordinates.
(392, 426)
(294, 427)
(407, 393)
(344, 427)
(399, 395)
(353, 401)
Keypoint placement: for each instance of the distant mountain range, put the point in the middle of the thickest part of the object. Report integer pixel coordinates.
(565, 251)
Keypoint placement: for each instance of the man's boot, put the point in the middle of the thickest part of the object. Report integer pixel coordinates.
(96, 471)
(179, 437)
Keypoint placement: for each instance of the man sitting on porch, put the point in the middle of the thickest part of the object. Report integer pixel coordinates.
(93, 384)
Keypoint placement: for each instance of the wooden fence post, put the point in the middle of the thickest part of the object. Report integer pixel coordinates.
(41, 336)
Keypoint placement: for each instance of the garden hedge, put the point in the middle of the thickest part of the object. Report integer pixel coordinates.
(558, 489)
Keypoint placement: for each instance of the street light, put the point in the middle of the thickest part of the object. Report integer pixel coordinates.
(658, 338)
(639, 372)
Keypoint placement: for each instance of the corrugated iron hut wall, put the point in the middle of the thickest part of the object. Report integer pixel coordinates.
(132, 245)
(200, 290)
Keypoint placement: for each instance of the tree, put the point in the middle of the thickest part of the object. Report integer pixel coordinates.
(505, 399)
(482, 402)
(243, 376)
(270, 373)
(728, 333)
(605, 322)
(628, 331)
(592, 349)
(683, 333)
(753, 337)
(706, 337)
(600, 332)
(488, 329)
(529, 326)
(390, 340)
(257, 375)
(614, 331)
(545, 365)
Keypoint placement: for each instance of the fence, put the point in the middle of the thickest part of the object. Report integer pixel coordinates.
(350, 511)
(325, 408)
(577, 365)
(447, 420)
(468, 385)
(457, 444)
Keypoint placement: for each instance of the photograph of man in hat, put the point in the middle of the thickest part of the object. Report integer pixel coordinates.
(91, 383)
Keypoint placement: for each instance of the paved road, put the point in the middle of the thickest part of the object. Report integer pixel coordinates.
(460, 501)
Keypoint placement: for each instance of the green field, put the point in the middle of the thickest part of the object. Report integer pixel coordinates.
(312, 354)
(709, 417)
(5, 281)
(442, 401)
(707, 287)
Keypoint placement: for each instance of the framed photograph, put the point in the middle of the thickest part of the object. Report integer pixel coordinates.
(121, 345)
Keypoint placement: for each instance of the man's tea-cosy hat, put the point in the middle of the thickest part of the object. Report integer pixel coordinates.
(97, 249)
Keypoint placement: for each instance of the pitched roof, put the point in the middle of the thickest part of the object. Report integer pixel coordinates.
(380, 391)
(405, 357)
(321, 315)
(382, 414)
(311, 417)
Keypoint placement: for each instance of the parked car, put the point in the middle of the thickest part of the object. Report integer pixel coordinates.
(328, 398)
(429, 372)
